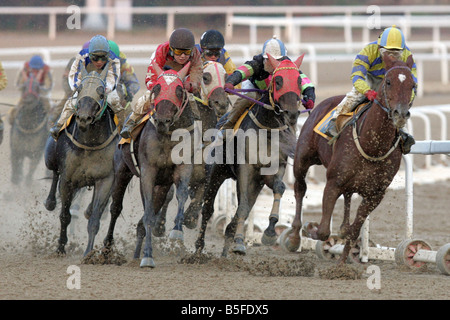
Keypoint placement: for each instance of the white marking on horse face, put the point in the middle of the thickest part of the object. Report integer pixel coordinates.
(401, 77)
(169, 79)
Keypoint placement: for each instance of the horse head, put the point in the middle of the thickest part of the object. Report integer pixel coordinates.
(213, 93)
(169, 96)
(91, 101)
(286, 87)
(395, 90)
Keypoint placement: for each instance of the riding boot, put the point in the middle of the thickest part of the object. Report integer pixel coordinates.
(54, 131)
(331, 129)
(130, 124)
(407, 141)
(236, 112)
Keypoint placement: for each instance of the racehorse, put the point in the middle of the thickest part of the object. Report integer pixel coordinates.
(212, 106)
(158, 165)
(273, 124)
(364, 159)
(83, 156)
(28, 131)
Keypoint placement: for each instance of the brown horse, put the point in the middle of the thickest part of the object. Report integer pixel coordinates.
(269, 127)
(364, 159)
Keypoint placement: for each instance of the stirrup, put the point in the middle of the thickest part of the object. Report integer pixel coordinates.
(127, 129)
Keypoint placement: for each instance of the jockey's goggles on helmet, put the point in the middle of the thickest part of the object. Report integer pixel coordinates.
(212, 52)
(179, 52)
(95, 57)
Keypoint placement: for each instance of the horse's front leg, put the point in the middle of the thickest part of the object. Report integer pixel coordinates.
(343, 229)
(368, 204)
(330, 195)
(182, 176)
(270, 236)
(249, 188)
(102, 192)
(147, 185)
(50, 202)
(67, 194)
(196, 193)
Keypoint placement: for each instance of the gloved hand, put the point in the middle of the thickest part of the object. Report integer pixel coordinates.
(228, 86)
(309, 104)
(191, 87)
(371, 95)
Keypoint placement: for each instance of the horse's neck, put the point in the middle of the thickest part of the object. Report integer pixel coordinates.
(375, 129)
(186, 118)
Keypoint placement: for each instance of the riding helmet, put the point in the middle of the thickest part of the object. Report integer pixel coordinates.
(212, 39)
(36, 62)
(114, 47)
(98, 43)
(275, 47)
(182, 39)
(392, 38)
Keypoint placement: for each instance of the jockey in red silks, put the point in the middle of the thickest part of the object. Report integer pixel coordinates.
(173, 54)
(256, 73)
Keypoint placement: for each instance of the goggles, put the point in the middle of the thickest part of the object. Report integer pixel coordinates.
(179, 52)
(212, 52)
(96, 58)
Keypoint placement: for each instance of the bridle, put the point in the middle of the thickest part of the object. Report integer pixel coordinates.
(388, 110)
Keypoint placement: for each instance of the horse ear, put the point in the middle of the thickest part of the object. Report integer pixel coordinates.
(299, 61)
(105, 71)
(410, 61)
(183, 72)
(157, 68)
(274, 62)
(84, 72)
(388, 60)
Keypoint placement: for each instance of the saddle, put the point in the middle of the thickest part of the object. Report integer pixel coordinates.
(341, 121)
(136, 130)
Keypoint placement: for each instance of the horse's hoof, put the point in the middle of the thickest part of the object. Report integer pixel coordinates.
(287, 242)
(147, 263)
(159, 231)
(50, 205)
(268, 240)
(190, 223)
(176, 235)
(240, 249)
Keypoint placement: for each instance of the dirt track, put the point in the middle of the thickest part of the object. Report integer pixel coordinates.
(28, 238)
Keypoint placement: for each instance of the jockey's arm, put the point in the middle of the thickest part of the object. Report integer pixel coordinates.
(112, 78)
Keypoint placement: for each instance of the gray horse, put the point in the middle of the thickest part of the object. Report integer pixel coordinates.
(83, 156)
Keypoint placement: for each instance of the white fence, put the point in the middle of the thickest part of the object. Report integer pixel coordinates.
(349, 16)
(316, 54)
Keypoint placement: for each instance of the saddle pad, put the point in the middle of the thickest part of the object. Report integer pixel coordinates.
(136, 130)
(322, 127)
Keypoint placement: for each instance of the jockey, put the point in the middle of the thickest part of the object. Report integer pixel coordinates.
(94, 58)
(175, 54)
(41, 71)
(368, 71)
(259, 72)
(211, 48)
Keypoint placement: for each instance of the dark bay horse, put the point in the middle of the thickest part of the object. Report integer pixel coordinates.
(364, 159)
(272, 126)
(28, 132)
(211, 107)
(83, 156)
(161, 161)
